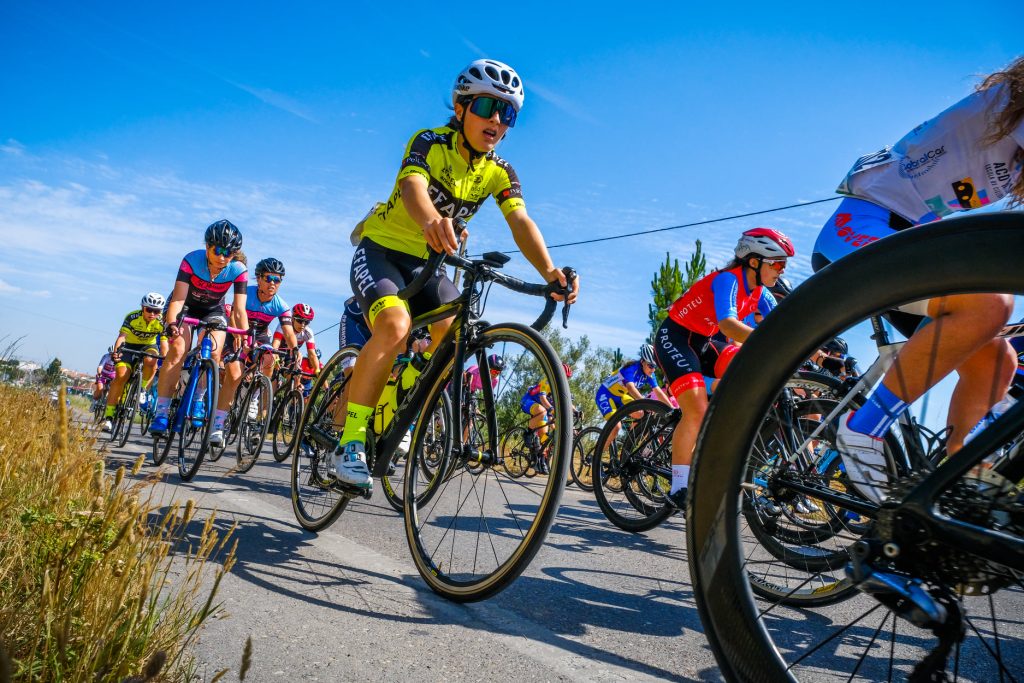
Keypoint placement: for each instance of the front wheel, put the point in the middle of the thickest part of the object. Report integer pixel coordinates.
(287, 415)
(482, 528)
(194, 438)
(253, 420)
(126, 408)
(583, 449)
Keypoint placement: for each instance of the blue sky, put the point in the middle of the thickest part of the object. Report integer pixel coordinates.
(127, 128)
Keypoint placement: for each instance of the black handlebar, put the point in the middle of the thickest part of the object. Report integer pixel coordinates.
(437, 259)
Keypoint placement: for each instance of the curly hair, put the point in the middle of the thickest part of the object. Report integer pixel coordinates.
(1004, 121)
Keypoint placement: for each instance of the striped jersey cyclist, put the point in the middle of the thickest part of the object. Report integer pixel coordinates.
(967, 157)
(447, 173)
(690, 345)
(204, 278)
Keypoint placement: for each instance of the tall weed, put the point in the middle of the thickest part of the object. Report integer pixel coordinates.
(97, 582)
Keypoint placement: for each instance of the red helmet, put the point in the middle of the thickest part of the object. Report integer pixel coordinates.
(764, 242)
(567, 369)
(302, 311)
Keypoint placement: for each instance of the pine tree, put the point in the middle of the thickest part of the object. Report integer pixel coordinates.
(669, 284)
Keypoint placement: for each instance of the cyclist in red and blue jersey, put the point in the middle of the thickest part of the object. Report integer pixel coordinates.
(628, 383)
(688, 345)
(263, 304)
(204, 279)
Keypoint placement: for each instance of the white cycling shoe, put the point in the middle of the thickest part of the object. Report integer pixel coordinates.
(348, 465)
(217, 437)
(107, 425)
(864, 459)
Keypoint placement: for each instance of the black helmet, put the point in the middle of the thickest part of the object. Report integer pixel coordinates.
(496, 362)
(270, 265)
(781, 289)
(837, 346)
(224, 234)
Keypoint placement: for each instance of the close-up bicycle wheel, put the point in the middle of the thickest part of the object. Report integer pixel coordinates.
(194, 438)
(480, 527)
(926, 604)
(515, 452)
(582, 457)
(287, 415)
(253, 420)
(315, 500)
(630, 460)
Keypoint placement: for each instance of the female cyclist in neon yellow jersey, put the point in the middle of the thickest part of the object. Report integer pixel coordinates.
(447, 173)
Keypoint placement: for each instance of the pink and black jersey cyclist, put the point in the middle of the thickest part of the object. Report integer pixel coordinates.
(204, 279)
(688, 345)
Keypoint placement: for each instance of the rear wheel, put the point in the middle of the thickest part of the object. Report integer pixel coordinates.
(194, 438)
(481, 528)
(515, 453)
(253, 420)
(126, 409)
(631, 465)
(316, 500)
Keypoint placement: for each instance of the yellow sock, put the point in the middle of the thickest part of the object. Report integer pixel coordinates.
(355, 424)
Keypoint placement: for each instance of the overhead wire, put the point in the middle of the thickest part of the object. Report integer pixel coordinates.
(657, 230)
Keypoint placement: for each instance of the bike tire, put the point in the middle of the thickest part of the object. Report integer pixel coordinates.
(615, 457)
(515, 454)
(288, 414)
(582, 457)
(446, 561)
(432, 446)
(189, 457)
(252, 431)
(316, 502)
(977, 253)
(127, 409)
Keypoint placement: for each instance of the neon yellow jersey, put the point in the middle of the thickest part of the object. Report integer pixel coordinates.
(457, 190)
(137, 331)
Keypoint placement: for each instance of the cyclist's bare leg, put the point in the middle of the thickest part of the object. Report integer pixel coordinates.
(171, 370)
(148, 370)
(375, 360)
(693, 403)
(229, 384)
(984, 379)
(961, 326)
(117, 384)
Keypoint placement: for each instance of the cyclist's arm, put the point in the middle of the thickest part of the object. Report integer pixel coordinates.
(543, 398)
(117, 343)
(659, 394)
(633, 391)
(176, 303)
(437, 230)
(288, 332)
(239, 317)
(734, 329)
(530, 241)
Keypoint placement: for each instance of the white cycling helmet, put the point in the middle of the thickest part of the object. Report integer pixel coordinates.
(153, 300)
(647, 354)
(489, 77)
(764, 242)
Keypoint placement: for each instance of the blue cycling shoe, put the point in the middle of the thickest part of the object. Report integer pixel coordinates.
(160, 424)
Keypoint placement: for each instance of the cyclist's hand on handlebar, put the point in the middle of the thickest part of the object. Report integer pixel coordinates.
(440, 235)
(558, 274)
(172, 330)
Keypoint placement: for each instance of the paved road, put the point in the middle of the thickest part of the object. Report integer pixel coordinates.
(597, 604)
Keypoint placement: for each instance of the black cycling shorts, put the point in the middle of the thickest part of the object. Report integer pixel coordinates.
(687, 357)
(378, 273)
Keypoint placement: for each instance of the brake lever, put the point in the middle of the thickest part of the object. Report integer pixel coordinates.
(570, 277)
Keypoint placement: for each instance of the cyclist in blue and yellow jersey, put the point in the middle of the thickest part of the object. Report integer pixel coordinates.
(447, 173)
(628, 382)
(139, 332)
(203, 280)
(263, 304)
(967, 157)
(688, 345)
(535, 403)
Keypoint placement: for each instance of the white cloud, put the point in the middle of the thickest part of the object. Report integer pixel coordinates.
(8, 288)
(13, 148)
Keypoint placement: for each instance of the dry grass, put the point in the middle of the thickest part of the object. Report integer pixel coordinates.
(97, 583)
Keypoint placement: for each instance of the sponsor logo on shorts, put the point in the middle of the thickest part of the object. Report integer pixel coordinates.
(917, 167)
